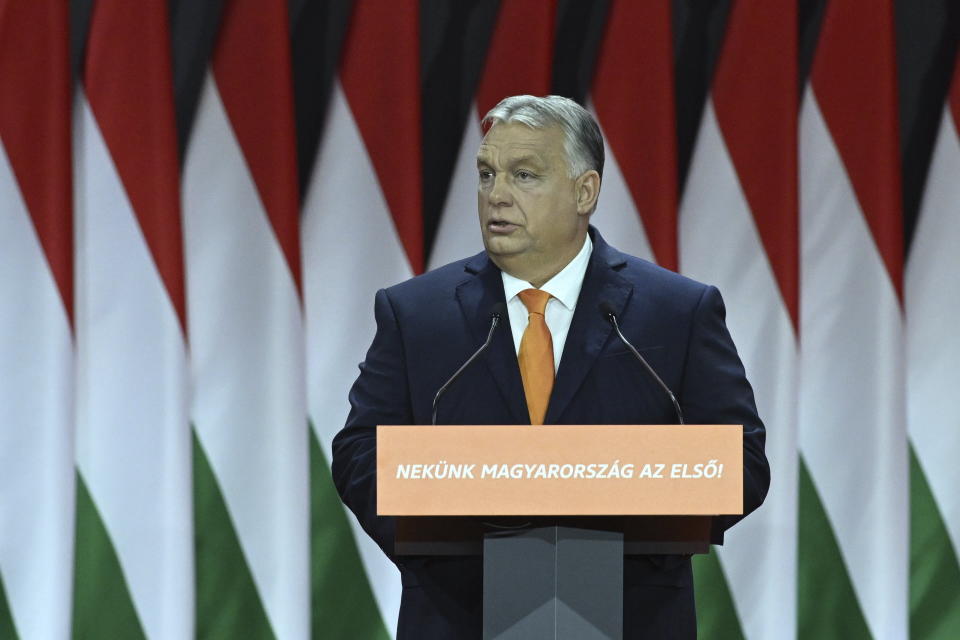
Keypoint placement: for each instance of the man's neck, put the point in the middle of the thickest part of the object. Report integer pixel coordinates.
(536, 273)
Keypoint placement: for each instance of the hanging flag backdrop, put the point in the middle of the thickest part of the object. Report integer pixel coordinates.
(198, 201)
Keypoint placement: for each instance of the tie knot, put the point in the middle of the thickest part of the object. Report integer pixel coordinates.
(535, 300)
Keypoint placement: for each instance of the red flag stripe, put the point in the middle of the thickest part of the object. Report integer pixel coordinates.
(130, 88)
(252, 67)
(380, 74)
(521, 53)
(34, 58)
(633, 94)
(755, 96)
(854, 77)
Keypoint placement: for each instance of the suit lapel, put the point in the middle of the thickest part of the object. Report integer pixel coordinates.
(589, 329)
(476, 296)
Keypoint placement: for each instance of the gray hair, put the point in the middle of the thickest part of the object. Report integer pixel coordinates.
(582, 140)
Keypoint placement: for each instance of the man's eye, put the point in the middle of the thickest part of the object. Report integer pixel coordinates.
(485, 175)
(524, 175)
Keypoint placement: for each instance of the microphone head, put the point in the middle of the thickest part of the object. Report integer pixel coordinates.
(608, 310)
(498, 310)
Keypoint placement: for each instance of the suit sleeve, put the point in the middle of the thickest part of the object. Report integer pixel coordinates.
(715, 390)
(380, 395)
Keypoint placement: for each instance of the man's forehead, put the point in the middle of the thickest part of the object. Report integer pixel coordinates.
(511, 153)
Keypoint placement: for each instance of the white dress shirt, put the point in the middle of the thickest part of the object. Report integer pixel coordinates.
(564, 289)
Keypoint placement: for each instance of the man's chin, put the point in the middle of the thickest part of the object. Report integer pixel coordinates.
(502, 245)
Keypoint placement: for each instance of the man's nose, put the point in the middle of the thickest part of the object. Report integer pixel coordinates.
(499, 194)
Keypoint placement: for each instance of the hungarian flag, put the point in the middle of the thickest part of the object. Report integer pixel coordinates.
(738, 230)
(246, 333)
(932, 301)
(854, 512)
(36, 322)
(362, 230)
(134, 515)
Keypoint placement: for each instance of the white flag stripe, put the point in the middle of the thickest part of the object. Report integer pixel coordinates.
(458, 232)
(720, 244)
(133, 443)
(932, 297)
(616, 215)
(247, 355)
(36, 427)
(350, 249)
(852, 416)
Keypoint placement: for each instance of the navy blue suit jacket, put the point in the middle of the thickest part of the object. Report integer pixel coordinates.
(429, 325)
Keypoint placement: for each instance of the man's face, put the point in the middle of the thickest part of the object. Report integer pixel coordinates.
(528, 207)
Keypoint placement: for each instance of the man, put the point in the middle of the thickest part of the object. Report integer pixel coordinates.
(540, 167)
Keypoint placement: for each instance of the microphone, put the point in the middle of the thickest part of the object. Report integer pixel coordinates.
(496, 313)
(610, 312)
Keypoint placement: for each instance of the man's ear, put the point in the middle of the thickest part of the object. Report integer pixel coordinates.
(588, 189)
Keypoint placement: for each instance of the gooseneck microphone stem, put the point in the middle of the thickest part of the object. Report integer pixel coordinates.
(495, 315)
(612, 317)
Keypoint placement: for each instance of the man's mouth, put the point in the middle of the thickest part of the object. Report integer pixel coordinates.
(501, 226)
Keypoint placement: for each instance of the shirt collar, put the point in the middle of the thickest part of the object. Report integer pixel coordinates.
(565, 286)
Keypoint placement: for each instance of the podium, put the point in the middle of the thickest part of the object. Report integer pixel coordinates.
(553, 509)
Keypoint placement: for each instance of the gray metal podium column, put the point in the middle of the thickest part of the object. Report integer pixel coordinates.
(556, 583)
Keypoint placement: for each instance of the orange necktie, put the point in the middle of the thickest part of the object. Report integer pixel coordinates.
(536, 355)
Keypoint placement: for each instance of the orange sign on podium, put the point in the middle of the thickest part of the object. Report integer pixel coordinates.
(559, 470)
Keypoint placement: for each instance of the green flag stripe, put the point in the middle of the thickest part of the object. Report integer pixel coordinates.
(827, 605)
(102, 605)
(228, 604)
(934, 571)
(716, 614)
(7, 628)
(343, 604)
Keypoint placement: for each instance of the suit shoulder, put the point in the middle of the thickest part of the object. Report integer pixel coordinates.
(654, 279)
(426, 286)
